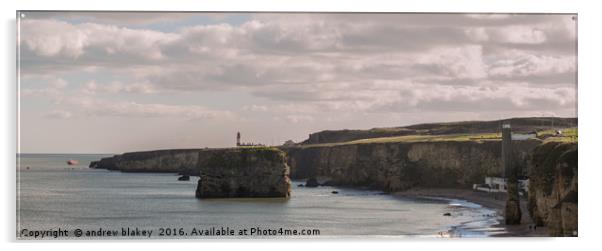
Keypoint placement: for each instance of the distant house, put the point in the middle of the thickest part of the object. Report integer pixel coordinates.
(289, 143)
(499, 185)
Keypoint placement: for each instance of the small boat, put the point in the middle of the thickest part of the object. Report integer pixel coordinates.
(72, 162)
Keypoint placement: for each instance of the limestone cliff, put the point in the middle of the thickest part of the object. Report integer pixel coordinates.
(178, 160)
(553, 187)
(229, 172)
(243, 172)
(402, 165)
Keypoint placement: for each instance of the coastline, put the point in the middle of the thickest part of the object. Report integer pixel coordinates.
(495, 201)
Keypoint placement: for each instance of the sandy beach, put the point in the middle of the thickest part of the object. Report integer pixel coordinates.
(494, 201)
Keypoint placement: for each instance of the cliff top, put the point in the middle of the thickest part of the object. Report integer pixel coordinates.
(568, 135)
(416, 138)
(520, 125)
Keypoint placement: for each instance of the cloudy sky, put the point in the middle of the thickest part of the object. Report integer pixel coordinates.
(114, 82)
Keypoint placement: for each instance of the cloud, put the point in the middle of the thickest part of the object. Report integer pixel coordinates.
(92, 87)
(113, 17)
(313, 64)
(87, 44)
(96, 107)
(516, 63)
(255, 108)
(299, 118)
(51, 87)
(59, 114)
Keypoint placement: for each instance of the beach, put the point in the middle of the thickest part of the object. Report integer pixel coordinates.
(495, 201)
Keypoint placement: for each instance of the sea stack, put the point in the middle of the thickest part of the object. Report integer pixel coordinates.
(243, 172)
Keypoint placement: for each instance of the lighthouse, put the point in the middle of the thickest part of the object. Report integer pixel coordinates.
(237, 138)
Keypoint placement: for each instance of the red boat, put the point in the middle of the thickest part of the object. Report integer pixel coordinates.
(72, 162)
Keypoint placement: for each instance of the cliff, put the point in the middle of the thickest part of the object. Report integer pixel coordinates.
(243, 172)
(396, 166)
(178, 161)
(519, 125)
(553, 187)
(230, 172)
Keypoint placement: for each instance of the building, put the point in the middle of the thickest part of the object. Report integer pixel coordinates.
(524, 136)
(289, 143)
(498, 185)
(238, 143)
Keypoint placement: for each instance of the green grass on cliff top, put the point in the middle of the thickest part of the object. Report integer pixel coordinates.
(419, 138)
(568, 135)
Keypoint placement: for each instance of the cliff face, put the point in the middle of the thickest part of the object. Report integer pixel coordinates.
(181, 161)
(553, 187)
(399, 166)
(243, 172)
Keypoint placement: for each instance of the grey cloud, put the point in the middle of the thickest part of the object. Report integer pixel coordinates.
(336, 58)
(59, 114)
(110, 17)
(483, 105)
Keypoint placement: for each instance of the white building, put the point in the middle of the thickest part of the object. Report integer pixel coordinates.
(525, 136)
(498, 185)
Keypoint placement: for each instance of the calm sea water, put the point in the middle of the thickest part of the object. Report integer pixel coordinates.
(53, 195)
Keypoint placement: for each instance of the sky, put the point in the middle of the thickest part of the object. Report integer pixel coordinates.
(112, 82)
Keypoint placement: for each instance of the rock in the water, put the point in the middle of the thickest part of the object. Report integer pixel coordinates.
(94, 164)
(447, 214)
(328, 183)
(243, 172)
(312, 182)
(300, 185)
(335, 192)
(184, 178)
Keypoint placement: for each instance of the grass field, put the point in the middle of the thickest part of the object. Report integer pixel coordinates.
(417, 138)
(568, 135)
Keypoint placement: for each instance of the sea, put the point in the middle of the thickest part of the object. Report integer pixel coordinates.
(60, 201)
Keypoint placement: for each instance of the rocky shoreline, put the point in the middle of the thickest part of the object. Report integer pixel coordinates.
(495, 201)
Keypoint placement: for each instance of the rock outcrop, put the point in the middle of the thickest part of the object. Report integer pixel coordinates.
(243, 172)
(312, 182)
(402, 165)
(229, 172)
(553, 187)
